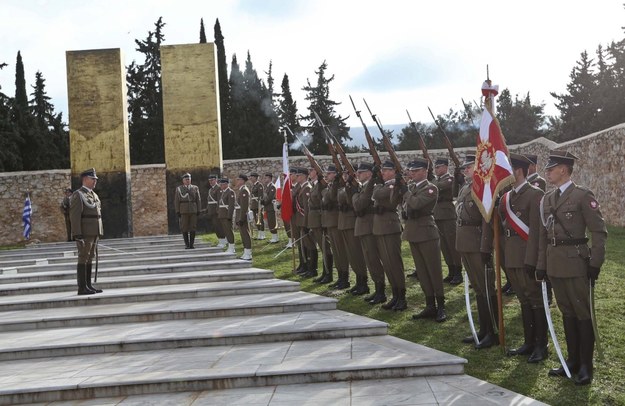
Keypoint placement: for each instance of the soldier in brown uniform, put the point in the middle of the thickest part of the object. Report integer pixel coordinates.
(86, 221)
(313, 221)
(242, 216)
(225, 212)
(519, 210)
(566, 213)
(422, 234)
(214, 193)
(330, 221)
(269, 206)
(187, 203)
(362, 199)
(533, 177)
(445, 216)
(256, 206)
(65, 211)
(300, 221)
(387, 229)
(469, 226)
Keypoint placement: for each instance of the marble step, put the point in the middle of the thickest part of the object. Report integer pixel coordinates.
(152, 239)
(228, 366)
(129, 281)
(138, 258)
(146, 293)
(172, 334)
(162, 310)
(173, 268)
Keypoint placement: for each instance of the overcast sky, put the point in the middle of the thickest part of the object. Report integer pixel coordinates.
(397, 54)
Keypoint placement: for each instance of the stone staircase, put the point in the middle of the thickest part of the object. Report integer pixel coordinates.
(177, 326)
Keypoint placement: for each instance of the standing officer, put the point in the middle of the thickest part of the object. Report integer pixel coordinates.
(255, 205)
(346, 225)
(65, 210)
(387, 229)
(187, 203)
(362, 199)
(306, 242)
(269, 205)
(533, 177)
(469, 226)
(86, 221)
(243, 216)
(519, 210)
(225, 212)
(573, 267)
(214, 193)
(330, 222)
(313, 220)
(445, 216)
(422, 234)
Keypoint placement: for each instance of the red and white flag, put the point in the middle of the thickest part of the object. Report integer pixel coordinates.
(492, 171)
(286, 204)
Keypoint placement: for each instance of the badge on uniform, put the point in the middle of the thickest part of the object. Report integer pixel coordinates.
(450, 180)
(430, 191)
(470, 204)
(594, 205)
(518, 214)
(568, 215)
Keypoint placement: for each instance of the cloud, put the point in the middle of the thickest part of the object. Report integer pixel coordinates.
(272, 9)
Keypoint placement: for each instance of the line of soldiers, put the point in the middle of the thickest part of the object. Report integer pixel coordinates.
(357, 224)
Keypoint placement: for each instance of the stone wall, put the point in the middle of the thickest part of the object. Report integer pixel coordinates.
(602, 159)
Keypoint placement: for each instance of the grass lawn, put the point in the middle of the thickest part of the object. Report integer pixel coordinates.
(492, 365)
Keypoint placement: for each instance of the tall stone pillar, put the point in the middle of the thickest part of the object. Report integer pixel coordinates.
(98, 130)
(190, 118)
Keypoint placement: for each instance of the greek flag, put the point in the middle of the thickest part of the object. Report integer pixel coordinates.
(28, 209)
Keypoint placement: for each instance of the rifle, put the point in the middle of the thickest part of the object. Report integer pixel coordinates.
(386, 141)
(313, 163)
(372, 150)
(450, 147)
(424, 149)
(336, 148)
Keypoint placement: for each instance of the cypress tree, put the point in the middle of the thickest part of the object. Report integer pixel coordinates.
(10, 140)
(225, 105)
(202, 33)
(288, 111)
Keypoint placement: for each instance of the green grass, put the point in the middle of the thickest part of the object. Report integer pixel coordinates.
(492, 365)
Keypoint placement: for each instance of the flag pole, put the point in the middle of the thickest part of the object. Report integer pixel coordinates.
(287, 179)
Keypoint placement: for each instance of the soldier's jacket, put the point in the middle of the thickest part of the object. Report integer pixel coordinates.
(526, 205)
(386, 218)
(227, 202)
(269, 195)
(418, 205)
(301, 204)
(536, 180)
(295, 187)
(85, 213)
(256, 195)
(362, 200)
(214, 194)
(347, 217)
(313, 218)
(243, 197)
(187, 200)
(329, 205)
(468, 222)
(445, 209)
(576, 211)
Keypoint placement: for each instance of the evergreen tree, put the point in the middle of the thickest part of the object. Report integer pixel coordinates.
(225, 106)
(231, 141)
(30, 148)
(319, 98)
(520, 121)
(10, 140)
(145, 101)
(202, 32)
(608, 94)
(288, 111)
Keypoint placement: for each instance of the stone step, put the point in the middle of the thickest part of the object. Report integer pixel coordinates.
(153, 239)
(146, 293)
(227, 366)
(70, 257)
(128, 260)
(129, 281)
(147, 336)
(70, 273)
(162, 310)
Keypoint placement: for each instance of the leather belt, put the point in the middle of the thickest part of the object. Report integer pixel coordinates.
(569, 241)
(508, 232)
(91, 216)
(462, 223)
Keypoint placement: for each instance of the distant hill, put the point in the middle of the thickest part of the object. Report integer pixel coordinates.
(358, 133)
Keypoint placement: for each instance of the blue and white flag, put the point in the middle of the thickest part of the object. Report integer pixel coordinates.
(28, 209)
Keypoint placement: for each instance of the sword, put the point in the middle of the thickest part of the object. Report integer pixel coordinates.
(97, 259)
(593, 318)
(294, 242)
(490, 308)
(467, 300)
(552, 332)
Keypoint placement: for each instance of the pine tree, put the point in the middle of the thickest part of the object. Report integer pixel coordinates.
(202, 32)
(225, 105)
(520, 121)
(145, 101)
(319, 98)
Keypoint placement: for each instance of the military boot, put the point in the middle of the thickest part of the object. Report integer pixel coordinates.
(540, 337)
(457, 278)
(572, 346)
(527, 315)
(301, 268)
(428, 312)
(490, 338)
(88, 279)
(482, 328)
(343, 282)
(450, 273)
(441, 316)
(587, 348)
(81, 280)
(311, 262)
(375, 291)
(328, 264)
(391, 303)
(401, 303)
(191, 239)
(185, 237)
(379, 295)
(362, 287)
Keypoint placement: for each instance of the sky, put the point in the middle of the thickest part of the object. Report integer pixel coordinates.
(399, 55)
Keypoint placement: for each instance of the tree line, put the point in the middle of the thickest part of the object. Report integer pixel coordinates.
(255, 111)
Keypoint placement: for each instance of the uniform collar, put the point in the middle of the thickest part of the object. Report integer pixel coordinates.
(518, 188)
(565, 186)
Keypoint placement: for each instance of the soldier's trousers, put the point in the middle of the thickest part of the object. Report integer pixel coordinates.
(226, 226)
(217, 227)
(354, 253)
(272, 222)
(68, 228)
(287, 229)
(474, 266)
(527, 289)
(572, 295)
(339, 250)
(246, 239)
(188, 222)
(371, 255)
(86, 248)
(447, 232)
(427, 260)
(322, 243)
(389, 247)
